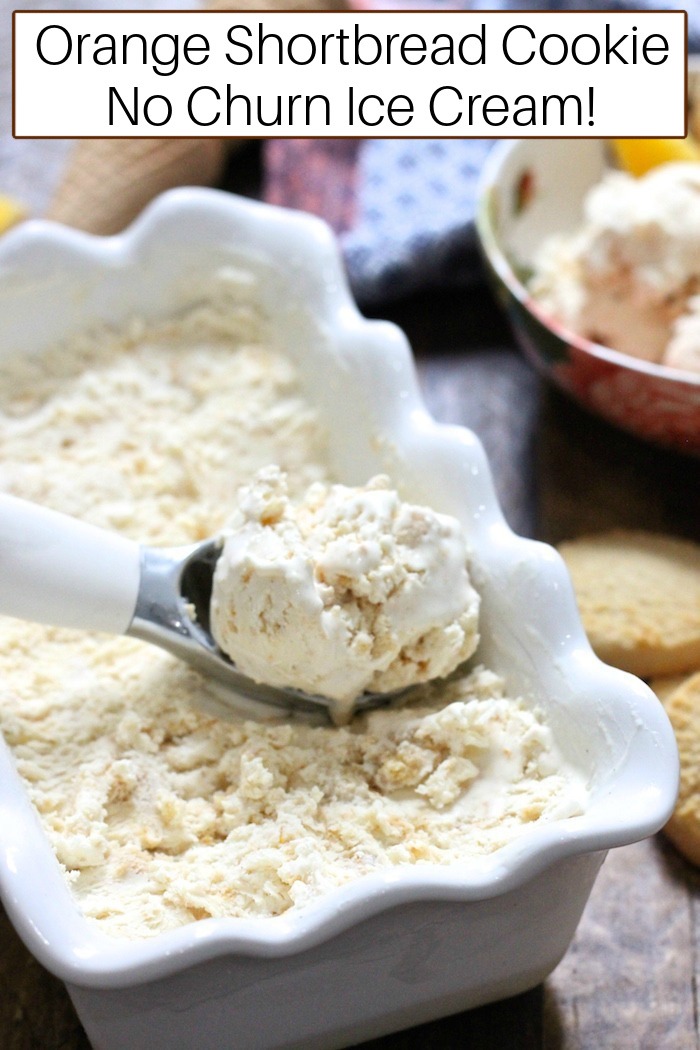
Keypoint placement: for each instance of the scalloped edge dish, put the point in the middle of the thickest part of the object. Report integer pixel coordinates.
(402, 946)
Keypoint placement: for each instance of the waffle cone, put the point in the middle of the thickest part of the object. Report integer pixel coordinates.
(107, 182)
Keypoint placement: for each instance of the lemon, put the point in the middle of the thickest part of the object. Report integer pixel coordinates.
(637, 156)
(11, 212)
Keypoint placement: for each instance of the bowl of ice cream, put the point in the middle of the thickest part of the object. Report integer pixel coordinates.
(193, 864)
(599, 272)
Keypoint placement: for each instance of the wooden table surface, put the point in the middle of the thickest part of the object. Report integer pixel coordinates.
(629, 979)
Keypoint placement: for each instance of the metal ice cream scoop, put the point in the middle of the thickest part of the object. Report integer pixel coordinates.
(60, 571)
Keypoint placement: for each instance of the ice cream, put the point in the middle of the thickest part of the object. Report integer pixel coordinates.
(627, 277)
(345, 591)
(162, 814)
(683, 350)
(163, 805)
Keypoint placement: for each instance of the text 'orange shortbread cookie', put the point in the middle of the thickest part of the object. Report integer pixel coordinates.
(682, 705)
(639, 598)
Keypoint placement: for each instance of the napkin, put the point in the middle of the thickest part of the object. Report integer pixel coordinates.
(404, 209)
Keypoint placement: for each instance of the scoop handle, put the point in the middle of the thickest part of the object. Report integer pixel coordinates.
(57, 570)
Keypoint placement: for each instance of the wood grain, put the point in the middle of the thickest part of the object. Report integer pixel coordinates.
(629, 978)
(35, 1011)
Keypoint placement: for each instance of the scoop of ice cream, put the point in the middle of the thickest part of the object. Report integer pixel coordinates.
(346, 590)
(683, 350)
(647, 228)
(626, 275)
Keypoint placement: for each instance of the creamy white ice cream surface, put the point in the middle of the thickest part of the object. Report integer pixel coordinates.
(347, 590)
(165, 806)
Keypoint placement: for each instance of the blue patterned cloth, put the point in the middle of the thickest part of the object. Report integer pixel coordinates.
(415, 209)
(415, 199)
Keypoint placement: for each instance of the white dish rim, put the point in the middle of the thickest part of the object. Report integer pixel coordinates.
(40, 904)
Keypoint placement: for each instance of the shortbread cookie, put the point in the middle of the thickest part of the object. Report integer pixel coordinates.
(683, 709)
(666, 686)
(639, 598)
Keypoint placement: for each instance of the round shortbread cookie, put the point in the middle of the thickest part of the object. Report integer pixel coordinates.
(666, 686)
(683, 708)
(639, 598)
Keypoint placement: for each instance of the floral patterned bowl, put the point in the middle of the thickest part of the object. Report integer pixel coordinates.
(529, 190)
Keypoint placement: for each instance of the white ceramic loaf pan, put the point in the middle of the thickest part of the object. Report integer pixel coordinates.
(406, 945)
